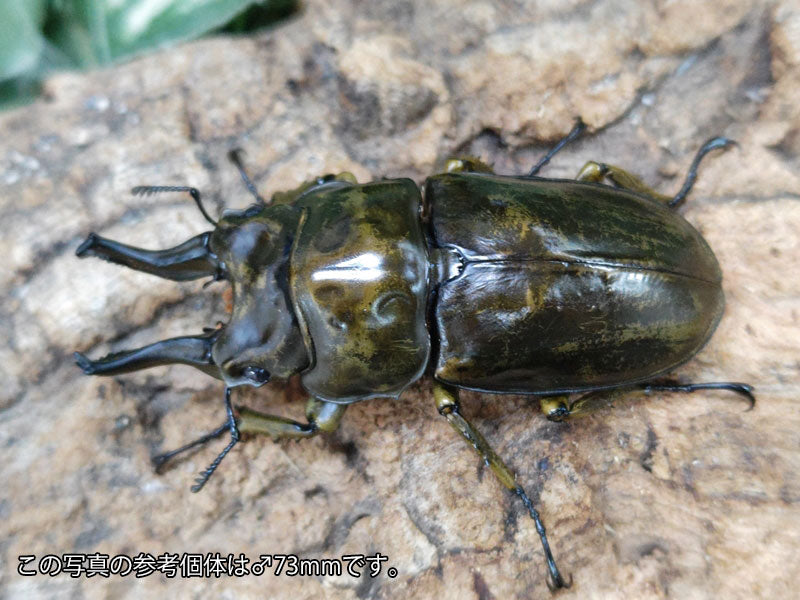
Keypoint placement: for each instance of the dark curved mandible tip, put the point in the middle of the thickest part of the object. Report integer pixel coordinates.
(86, 246)
(86, 365)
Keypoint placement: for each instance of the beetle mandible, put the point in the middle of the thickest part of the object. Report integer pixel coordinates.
(500, 284)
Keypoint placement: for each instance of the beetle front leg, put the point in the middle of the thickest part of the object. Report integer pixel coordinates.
(446, 399)
(322, 416)
(558, 408)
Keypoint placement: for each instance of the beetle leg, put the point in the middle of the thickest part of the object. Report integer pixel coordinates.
(322, 417)
(192, 259)
(466, 164)
(231, 425)
(193, 350)
(557, 408)
(235, 156)
(446, 399)
(598, 172)
(576, 131)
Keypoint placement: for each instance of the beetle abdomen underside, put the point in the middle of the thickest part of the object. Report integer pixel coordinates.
(569, 286)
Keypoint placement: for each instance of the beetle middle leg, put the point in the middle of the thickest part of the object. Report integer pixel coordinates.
(470, 164)
(447, 404)
(558, 408)
(598, 172)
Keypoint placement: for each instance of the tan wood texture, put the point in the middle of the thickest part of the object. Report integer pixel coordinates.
(669, 497)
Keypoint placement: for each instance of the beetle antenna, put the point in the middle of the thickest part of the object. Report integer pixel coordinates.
(691, 177)
(146, 190)
(578, 129)
(235, 156)
(203, 477)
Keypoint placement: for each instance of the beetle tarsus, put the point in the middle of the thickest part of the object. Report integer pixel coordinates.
(86, 247)
(203, 477)
(160, 460)
(742, 389)
(576, 130)
(555, 580)
(712, 144)
(554, 584)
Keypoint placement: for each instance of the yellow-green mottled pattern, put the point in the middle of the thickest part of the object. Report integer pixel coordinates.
(494, 217)
(358, 277)
(566, 286)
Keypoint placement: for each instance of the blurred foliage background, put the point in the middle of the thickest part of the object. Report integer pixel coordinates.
(38, 37)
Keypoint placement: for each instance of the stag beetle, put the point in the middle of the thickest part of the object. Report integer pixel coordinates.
(500, 284)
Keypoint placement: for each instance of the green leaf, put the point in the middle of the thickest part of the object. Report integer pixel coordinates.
(21, 43)
(260, 15)
(17, 91)
(95, 32)
(39, 36)
(135, 25)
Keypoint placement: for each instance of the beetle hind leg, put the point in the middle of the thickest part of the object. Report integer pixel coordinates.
(466, 164)
(597, 172)
(448, 406)
(558, 408)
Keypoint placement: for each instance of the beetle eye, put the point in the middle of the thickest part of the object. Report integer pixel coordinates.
(256, 374)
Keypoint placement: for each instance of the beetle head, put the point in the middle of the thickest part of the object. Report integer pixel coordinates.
(262, 339)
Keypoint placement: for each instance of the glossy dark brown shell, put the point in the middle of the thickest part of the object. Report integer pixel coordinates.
(565, 286)
(359, 281)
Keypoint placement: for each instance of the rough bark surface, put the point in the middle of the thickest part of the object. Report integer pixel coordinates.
(671, 496)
